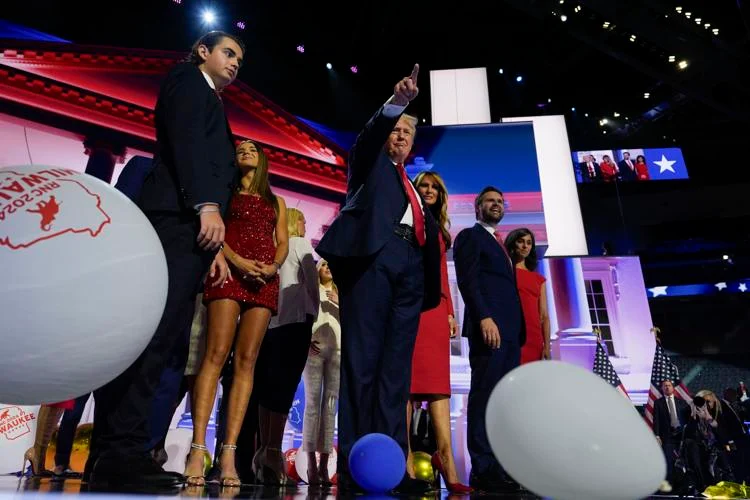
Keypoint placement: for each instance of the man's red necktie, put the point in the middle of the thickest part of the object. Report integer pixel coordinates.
(416, 206)
(499, 238)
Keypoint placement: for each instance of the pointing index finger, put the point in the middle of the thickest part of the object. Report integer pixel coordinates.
(414, 73)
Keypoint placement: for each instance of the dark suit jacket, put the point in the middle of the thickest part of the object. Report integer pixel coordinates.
(587, 175)
(625, 172)
(488, 286)
(195, 158)
(662, 422)
(375, 204)
(132, 176)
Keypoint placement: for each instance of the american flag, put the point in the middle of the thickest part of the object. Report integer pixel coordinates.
(663, 369)
(603, 367)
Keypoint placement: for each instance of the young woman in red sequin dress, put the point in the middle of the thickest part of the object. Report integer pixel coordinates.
(256, 245)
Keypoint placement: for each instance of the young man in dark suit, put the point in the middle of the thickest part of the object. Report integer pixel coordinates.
(627, 168)
(671, 414)
(183, 196)
(383, 249)
(493, 323)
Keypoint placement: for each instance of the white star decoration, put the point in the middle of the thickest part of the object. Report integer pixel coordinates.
(658, 290)
(665, 165)
(720, 286)
(743, 287)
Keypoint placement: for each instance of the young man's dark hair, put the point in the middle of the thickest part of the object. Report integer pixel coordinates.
(211, 40)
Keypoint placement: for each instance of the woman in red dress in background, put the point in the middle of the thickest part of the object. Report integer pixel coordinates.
(641, 168)
(521, 246)
(430, 372)
(256, 245)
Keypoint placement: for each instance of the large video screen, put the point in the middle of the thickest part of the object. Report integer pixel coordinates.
(470, 157)
(629, 165)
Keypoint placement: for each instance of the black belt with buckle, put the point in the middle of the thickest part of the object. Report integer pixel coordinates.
(406, 232)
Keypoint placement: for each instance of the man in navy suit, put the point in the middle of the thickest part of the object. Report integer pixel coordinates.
(671, 414)
(183, 197)
(383, 251)
(627, 168)
(590, 171)
(493, 323)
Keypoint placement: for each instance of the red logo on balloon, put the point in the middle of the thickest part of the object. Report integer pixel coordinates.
(45, 204)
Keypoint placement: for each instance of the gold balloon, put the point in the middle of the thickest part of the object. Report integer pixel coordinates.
(423, 467)
(208, 462)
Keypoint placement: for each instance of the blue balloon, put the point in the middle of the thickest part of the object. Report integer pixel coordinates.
(377, 463)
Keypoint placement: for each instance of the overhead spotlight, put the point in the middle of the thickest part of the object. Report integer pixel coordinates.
(519, 78)
(698, 20)
(353, 69)
(301, 49)
(424, 120)
(604, 132)
(209, 17)
(603, 122)
(563, 18)
(549, 101)
(707, 25)
(562, 2)
(616, 114)
(329, 65)
(716, 31)
(725, 257)
(577, 9)
(671, 58)
(688, 14)
(500, 71)
(586, 115)
(573, 109)
(240, 25)
(178, 2)
(678, 9)
(646, 95)
(605, 25)
(682, 64)
(626, 118)
(632, 38)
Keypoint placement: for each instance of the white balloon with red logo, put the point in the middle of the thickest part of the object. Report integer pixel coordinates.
(84, 283)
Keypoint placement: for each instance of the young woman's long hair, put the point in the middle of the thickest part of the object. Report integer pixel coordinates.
(260, 185)
(440, 208)
(510, 244)
(293, 215)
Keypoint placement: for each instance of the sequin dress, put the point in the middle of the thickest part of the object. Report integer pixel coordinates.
(250, 223)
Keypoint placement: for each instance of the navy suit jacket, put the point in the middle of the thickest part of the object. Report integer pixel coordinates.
(487, 283)
(195, 160)
(625, 172)
(375, 203)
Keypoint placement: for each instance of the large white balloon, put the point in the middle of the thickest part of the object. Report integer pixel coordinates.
(84, 283)
(563, 432)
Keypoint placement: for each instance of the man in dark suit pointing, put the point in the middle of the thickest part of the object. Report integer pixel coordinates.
(383, 250)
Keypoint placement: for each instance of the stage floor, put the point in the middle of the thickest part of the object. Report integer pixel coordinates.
(14, 487)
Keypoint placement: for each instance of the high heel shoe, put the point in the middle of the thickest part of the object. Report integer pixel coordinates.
(273, 474)
(196, 480)
(32, 456)
(457, 488)
(229, 481)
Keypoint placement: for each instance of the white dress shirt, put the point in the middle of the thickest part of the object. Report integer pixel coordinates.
(298, 285)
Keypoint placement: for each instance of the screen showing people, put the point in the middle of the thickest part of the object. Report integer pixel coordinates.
(629, 165)
(470, 157)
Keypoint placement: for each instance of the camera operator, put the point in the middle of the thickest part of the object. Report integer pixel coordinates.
(711, 434)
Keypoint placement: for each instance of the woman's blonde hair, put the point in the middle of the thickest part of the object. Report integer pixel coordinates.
(293, 216)
(333, 283)
(440, 208)
(705, 392)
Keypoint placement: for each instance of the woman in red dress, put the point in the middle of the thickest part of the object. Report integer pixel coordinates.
(430, 372)
(521, 246)
(641, 168)
(255, 245)
(609, 169)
